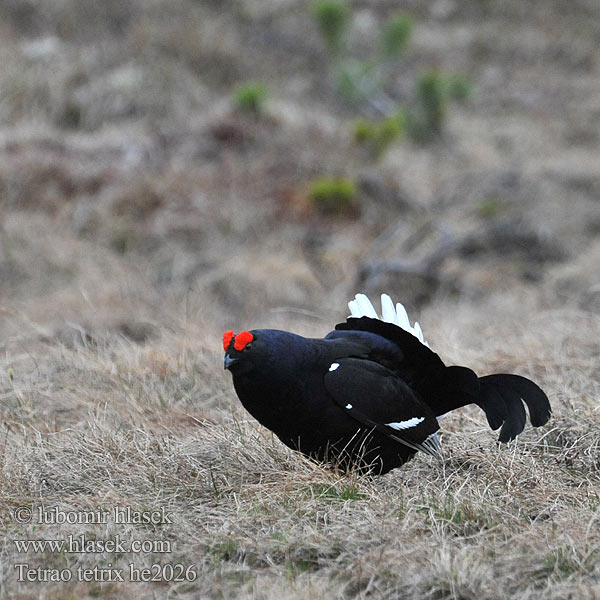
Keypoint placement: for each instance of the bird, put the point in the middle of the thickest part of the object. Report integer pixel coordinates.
(369, 395)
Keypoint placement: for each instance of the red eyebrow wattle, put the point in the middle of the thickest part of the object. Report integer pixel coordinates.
(242, 339)
(227, 337)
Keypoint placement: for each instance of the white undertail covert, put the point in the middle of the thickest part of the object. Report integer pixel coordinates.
(361, 306)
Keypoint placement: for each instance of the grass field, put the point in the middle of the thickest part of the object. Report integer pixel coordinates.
(104, 423)
(143, 214)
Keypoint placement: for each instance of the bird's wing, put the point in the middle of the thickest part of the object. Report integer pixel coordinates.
(380, 400)
(420, 367)
(410, 344)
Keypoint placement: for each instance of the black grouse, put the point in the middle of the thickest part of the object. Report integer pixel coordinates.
(369, 394)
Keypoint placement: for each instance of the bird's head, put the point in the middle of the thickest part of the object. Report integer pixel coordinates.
(239, 350)
(265, 348)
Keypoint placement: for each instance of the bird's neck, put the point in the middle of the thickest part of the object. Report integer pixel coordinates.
(273, 392)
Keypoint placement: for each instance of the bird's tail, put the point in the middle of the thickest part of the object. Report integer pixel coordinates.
(501, 396)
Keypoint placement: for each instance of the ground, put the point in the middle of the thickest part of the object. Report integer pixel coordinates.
(143, 214)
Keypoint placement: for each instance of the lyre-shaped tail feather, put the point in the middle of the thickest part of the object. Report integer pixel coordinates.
(502, 396)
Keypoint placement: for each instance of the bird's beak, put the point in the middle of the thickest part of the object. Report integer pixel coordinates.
(229, 361)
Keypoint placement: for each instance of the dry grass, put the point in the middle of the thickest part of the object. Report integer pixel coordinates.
(107, 422)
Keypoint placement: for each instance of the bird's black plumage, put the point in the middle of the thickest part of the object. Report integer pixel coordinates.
(368, 394)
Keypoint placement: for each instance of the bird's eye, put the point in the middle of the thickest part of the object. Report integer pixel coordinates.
(248, 346)
(242, 340)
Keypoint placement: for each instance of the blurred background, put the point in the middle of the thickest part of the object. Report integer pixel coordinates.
(251, 163)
